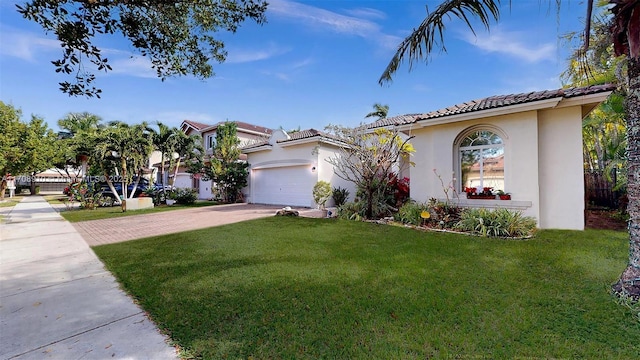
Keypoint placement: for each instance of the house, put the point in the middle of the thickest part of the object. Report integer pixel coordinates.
(285, 168)
(528, 144)
(247, 134)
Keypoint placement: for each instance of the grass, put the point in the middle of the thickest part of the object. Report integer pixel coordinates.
(10, 202)
(76, 215)
(299, 288)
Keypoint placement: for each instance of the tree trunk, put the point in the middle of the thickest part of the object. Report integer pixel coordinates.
(162, 163)
(629, 282)
(32, 184)
(3, 187)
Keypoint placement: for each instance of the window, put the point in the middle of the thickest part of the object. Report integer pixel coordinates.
(211, 141)
(481, 159)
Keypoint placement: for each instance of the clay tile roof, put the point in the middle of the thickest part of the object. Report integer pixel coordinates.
(493, 102)
(395, 120)
(247, 126)
(196, 125)
(256, 144)
(309, 133)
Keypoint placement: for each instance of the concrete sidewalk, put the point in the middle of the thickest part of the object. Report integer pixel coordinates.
(57, 301)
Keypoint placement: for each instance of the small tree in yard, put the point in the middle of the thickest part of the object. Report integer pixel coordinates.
(369, 159)
(321, 193)
(227, 171)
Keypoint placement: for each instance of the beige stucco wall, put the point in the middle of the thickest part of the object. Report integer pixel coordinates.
(328, 174)
(561, 170)
(545, 181)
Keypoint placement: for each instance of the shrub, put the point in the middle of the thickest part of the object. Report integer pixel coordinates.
(400, 189)
(443, 214)
(184, 196)
(410, 213)
(340, 196)
(497, 223)
(352, 211)
(88, 195)
(321, 193)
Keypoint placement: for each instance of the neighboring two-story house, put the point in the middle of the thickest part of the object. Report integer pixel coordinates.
(247, 134)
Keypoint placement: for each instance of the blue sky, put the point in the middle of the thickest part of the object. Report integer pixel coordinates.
(313, 63)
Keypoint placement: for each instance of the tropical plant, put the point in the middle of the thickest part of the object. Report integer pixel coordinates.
(380, 111)
(496, 223)
(88, 195)
(227, 171)
(176, 36)
(354, 210)
(77, 141)
(604, 128)
(624, 25)
(122, 149)
(411, 213)
(340, 196)
(165, 140)
(321, 193)
(369, 159)
(185, 196)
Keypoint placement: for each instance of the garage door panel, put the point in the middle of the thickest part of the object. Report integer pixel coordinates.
(290, 186)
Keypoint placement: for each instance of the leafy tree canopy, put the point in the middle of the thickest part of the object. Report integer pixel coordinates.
(176, 35)
(26, 148)
(227, 171)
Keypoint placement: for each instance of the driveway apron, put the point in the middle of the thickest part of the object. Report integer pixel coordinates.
(57, 301)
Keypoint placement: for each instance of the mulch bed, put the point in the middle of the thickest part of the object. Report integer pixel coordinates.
(604, 219)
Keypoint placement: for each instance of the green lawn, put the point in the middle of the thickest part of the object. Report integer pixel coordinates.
(288, 288)
(10, 202)
(77, 215)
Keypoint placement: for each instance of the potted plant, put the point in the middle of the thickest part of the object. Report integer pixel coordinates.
(503, 195)
(479, 193)
(170, 197)
(321, 193)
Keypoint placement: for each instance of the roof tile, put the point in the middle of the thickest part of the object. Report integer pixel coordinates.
(492, 102)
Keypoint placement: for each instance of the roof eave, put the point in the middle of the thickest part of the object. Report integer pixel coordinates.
(505, 110)
(589, 102)
(257, 149)
(313, 139)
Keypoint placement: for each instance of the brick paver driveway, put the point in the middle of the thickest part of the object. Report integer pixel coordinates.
(107, 231)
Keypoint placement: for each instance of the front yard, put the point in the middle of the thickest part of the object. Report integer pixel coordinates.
(317, 288)
(76, 215)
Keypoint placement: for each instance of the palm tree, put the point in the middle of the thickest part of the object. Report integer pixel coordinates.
(380, 111)
(428, 36)
(164, 141)
(127, 147)
(78, 132)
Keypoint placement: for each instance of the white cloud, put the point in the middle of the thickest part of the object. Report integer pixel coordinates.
(30, 47)
(366, 13)
(23, 45)
(138, 66)
(243, 56)
(303, 63)
(515, 43)
(328, 20)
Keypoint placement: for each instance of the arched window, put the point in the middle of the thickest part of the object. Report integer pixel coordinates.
(481, 159)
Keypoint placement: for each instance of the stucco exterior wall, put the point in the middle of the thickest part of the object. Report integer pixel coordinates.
(309, 155)
(561, 169)
(542, 162)
(328, 174)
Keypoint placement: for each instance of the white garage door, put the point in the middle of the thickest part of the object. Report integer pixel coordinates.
(287, 186)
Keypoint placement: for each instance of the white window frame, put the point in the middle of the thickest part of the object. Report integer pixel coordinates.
(210, 141)
(457, 151)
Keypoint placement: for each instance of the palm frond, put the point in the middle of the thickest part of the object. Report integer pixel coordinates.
(429, 36)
